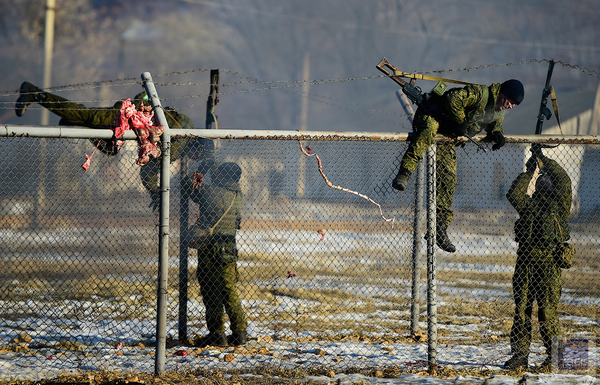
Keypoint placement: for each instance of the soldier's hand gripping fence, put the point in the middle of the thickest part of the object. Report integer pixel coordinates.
(416, 95)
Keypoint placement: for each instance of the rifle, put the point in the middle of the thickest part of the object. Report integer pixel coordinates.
(544, 110)
(416, 95)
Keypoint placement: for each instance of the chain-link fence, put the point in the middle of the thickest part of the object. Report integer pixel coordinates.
(324, 258)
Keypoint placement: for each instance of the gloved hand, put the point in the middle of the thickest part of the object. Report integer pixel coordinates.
(531, 165)
(536, 150)
(462, 128)
(154, 200)
(197, 179)
(499, 139)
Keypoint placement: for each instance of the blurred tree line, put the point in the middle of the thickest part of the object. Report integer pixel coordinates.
(266, 40)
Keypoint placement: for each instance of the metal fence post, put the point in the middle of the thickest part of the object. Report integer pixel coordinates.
(417, 252)
(431, 272)
(184, 196)
(184, 209)
(417, 226)
(163, 240)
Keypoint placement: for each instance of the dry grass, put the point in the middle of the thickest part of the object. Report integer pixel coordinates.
(262, 376)
(325, 286)
(342, 311)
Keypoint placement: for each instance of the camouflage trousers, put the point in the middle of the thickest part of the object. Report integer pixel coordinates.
(536, 279)
(426, 128)
(218, 286)
(78, 114)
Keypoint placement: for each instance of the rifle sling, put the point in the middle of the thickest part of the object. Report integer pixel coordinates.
(428, 77)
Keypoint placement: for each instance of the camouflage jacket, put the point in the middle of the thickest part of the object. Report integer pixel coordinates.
(474, 104)
(213, 201)
(543, 220)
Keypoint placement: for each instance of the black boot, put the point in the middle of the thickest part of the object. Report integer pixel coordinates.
(29, 94)
(442, 240)
(237, 338)
(546, 366)
(401, 180)
(516, 362)
(212, 339)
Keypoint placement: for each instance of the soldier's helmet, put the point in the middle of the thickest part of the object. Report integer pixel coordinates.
(544, 185)
(228, 172)
(140, 98)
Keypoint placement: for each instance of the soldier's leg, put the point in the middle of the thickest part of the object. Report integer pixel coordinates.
(74, 113)
(425, 130)
(211, 282)
(446, 186)
(520, 334)
(78, 114)
(548, 296)
(233, 305)
(28, 93)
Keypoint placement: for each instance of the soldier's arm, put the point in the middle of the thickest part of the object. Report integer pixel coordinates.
(517, 193)
(198, 190)
(149, 177)
(238, 218)
(561, 182)
(458, 99)
(495, 125)
(177, 121)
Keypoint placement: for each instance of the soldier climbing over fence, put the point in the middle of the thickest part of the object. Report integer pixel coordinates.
(72, 113)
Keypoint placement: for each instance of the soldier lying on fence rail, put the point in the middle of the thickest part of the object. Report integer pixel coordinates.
(459, 111)
(104, 118)
(541, 229)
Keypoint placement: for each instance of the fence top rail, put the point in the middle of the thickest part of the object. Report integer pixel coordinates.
(76, 132)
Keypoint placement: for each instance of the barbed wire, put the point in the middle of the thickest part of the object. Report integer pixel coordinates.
(267, 85)
(285, 83)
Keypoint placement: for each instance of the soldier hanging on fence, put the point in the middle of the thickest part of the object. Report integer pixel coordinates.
(542, 232)
(459, 111)
(74, 114)
(213, 235)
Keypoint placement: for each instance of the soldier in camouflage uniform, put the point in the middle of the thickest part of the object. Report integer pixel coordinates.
(214, 233)
(79, 115)
(468, 110)
(542, 224)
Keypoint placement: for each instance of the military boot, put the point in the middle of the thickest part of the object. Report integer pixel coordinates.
(401, 180)
(28, 94)
(211, 339)
(237, 338)
(546, 366)
(516, 362)
(442, 240)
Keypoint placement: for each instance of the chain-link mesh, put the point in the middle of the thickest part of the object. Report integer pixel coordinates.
(322, 274)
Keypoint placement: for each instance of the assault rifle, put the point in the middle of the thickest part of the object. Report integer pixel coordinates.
(544, 110)
(416, 95)
(413, 93)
